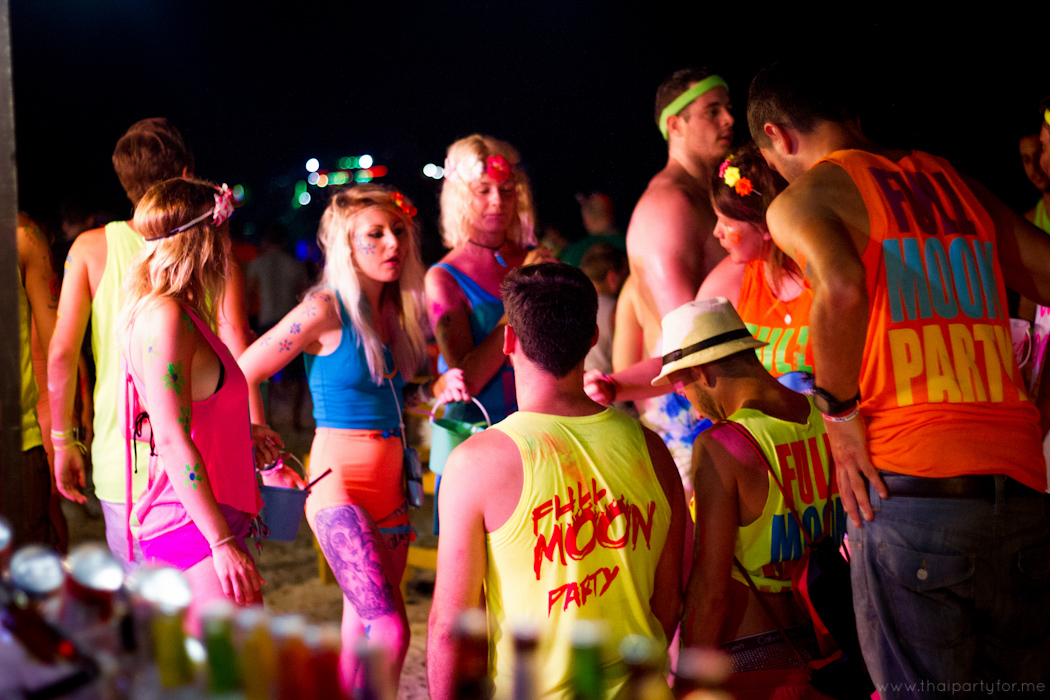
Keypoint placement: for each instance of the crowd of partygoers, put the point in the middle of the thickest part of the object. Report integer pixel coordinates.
(783, 438)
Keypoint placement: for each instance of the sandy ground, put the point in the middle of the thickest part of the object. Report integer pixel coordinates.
(290, 569)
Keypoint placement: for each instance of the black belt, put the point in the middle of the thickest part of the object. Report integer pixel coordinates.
(980, 486)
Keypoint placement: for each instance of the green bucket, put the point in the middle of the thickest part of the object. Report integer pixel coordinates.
(449, 432)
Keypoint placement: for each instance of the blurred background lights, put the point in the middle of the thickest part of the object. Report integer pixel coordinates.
(377, 170)
(338, 178)
(347, 163)
(312, 178)
(430, 170)
(312, 165)
(362, 176)
(364, 161)
(300, 187)
(238, 193)
(440, 173)
(304, 198)
(322, 180)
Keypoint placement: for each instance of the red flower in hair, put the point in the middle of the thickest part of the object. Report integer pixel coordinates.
(403, 205)
(743, 187)
(498, 168)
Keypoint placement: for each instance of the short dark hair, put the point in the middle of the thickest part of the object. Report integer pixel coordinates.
(601, 259)
(675, 85)
(553, 310)
(151, 151)
(798, 95)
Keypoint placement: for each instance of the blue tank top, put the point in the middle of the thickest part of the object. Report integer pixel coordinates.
(497, 396)
(343, 391)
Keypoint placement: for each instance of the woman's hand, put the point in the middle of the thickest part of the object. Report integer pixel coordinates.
(237, 573)
(284, 477)
(267, 445)
(599, 386)
(539, 255)
(451, 387)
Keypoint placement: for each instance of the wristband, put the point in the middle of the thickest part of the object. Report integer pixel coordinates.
(843, 418)
(829, 405)
(223, 541)
(612, 386)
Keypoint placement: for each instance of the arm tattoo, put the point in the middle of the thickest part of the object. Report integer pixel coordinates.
(151, 350)
(193, 476)
(189, 322)
(295, 328)
(184, 419)
(173, 378)
(285, 345)
(349, 543)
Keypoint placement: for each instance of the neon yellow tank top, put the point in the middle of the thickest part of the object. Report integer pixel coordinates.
(582, 544)
(31, 436)
(107, 449)
(1041, 219)
(800, 455)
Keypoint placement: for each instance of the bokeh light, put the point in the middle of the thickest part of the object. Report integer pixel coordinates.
(312, 178)
(377, 170)
(363, 176)
(364, 161)
(439, 173)
(430, 170)
(238, 193)
(300, 187)
(304, 198)
(322, 180)
(312, 165)
(338, 177)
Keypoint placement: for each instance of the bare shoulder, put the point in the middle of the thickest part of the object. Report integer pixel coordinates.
(725, 280)
(441, 286)
(488, 457)
(91, 243)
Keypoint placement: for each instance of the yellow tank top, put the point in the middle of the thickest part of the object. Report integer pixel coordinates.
(31, 436)
(801, 457)
(107, 449)
(582, 544)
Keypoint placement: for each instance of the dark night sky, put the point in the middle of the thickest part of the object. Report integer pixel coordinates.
(257, 88)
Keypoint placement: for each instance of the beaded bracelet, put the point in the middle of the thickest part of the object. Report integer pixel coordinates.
(223, 541)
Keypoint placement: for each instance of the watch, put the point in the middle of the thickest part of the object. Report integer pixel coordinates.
(829, 405)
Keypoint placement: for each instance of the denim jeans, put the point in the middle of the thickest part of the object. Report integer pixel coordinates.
(953, 596)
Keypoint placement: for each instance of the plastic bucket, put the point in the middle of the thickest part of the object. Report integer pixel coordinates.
(282, 511)
(448, 432)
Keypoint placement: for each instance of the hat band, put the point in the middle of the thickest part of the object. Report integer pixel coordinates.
(676, 355)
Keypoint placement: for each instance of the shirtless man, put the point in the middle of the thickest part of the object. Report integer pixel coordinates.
(151, 151)
(908, 262)
(671, 245)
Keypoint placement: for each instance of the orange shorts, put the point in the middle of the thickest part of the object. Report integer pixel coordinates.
(366, 472)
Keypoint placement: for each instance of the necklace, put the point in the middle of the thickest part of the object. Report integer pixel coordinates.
(494, 249)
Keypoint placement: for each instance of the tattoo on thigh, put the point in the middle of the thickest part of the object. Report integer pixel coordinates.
(348, 540)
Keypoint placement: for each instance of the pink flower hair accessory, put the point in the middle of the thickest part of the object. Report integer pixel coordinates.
(220, 214)
(498, 168)
(472, 169)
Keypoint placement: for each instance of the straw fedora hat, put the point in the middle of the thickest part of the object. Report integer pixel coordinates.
(702, 331)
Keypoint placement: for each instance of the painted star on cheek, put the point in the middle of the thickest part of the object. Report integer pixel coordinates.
(193, 476)
(173, 378)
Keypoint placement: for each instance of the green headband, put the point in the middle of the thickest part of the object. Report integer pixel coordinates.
(707, 84)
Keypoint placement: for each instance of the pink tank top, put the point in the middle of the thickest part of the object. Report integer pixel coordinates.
(220, 427)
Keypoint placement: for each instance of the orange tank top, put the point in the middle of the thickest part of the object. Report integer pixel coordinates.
(783, 324)
(941, 391)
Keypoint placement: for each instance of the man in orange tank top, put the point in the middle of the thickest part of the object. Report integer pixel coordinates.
(936, 446)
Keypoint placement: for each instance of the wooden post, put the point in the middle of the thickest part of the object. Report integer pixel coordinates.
(11, 487)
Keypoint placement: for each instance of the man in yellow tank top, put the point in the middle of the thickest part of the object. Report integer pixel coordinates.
(564, 511)
(936, 445)
(151, 151)
(741, 513)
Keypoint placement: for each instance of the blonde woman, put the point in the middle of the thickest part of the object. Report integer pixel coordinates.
(360, 329)
(202, 493)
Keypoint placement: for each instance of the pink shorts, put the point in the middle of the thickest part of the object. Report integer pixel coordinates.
(186, 546)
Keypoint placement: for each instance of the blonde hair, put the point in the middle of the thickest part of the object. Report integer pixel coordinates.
(403, 297)
(456, 195)
(190, 267)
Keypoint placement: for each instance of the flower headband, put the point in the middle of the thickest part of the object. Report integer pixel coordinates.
(730, 174)
(403, 204)
(219, 215)
(497, 167)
